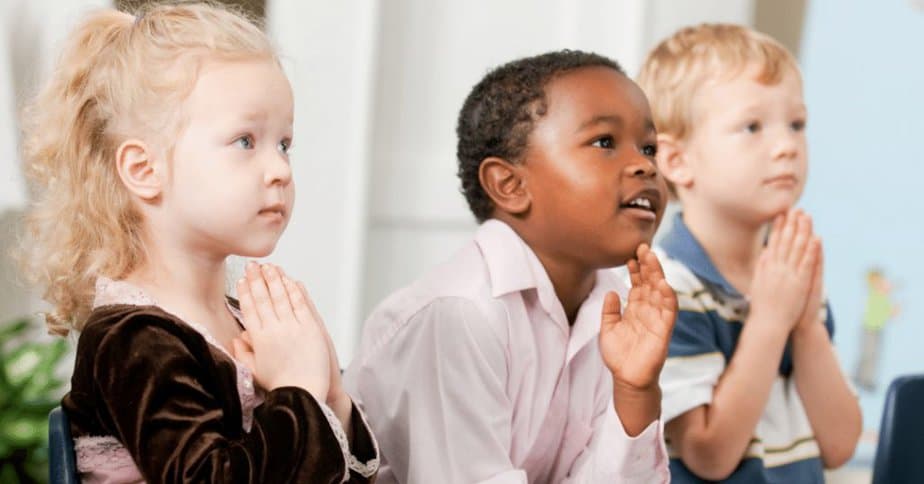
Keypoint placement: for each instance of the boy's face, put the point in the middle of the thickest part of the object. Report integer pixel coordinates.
(230, 189)
(747, 151)
(589, 162)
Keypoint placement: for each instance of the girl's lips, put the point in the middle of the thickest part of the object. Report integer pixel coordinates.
(272, 215)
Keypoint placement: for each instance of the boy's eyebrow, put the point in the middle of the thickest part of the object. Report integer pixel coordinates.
(612, 119)
(601, 119)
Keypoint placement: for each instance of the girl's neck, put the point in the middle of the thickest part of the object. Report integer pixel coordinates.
(189, 284)
(733, 245)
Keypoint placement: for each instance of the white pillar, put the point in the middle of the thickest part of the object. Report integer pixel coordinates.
(329, 52)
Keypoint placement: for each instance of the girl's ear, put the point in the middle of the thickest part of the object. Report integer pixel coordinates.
(504, 183)
(672, 161)
(136, 168)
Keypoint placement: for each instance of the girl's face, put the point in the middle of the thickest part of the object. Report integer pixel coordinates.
(230, 189)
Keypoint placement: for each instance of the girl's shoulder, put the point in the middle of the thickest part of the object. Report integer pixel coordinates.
(117, 331)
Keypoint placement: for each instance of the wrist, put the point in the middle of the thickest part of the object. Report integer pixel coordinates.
(627, 392)
(768, 324)
(317, 389)
(810, 330)
(636, 407)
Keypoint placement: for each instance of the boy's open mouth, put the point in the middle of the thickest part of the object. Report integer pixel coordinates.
(648, 200)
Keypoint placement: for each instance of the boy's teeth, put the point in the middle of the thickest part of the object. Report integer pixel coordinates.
(641, 202)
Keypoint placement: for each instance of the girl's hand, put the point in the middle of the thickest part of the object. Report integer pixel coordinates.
(337, 398)
(288, 343)
(634, 345)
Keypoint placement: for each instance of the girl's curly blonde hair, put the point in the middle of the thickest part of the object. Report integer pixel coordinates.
(119, 76)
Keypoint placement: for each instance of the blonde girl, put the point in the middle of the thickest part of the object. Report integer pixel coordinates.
(158, 148)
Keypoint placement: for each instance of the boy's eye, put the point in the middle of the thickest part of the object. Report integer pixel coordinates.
(650, 150)
(284, 146)
(605, 142)
(798, 125)
(245, 142)
(753, 127)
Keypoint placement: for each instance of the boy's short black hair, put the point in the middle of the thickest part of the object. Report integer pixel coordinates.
(499, 113)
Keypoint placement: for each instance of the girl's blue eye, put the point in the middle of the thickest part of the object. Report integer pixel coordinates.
(245, 142)
(753, 127)
(605, 142)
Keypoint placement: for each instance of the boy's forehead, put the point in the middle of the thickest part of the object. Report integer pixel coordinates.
(743, 88)
(596, 95)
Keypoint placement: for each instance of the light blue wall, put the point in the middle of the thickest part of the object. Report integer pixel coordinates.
(863, 64)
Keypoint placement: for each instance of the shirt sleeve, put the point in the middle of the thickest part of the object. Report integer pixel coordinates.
(694, 361)
(614, 456)
(435, 397)
(164, 402)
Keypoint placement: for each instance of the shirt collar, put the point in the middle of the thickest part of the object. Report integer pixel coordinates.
(514, 267)
(511, 262)
(680, 244)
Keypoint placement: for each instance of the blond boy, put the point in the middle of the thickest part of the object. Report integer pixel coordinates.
(753, 391)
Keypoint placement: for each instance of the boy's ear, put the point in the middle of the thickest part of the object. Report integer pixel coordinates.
(137, 170)
(672, 162)
(504, 183)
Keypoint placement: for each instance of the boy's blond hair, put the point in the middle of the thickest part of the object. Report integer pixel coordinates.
(681, 64)
(119, 76)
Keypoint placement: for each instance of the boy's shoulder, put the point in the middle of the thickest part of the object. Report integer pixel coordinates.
(680, 277)
(457, 289)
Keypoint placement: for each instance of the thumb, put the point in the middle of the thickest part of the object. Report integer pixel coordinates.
(243, 352)
(611, 311)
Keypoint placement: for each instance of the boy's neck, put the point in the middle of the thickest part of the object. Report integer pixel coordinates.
(572, 284)
(733, 245)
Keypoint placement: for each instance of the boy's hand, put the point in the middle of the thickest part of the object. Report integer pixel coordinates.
(287, 343)
(785, 272)
(634, 344)
(812, 314)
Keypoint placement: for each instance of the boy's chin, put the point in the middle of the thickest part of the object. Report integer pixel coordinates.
(621, 255)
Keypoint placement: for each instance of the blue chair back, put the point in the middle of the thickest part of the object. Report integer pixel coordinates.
(62, 465)
(900, 452)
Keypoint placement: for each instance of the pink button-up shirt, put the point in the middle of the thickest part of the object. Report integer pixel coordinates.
(473, 374)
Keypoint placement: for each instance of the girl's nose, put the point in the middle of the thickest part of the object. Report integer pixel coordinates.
(279, 171)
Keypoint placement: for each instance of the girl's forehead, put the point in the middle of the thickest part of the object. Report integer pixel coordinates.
(248, 89)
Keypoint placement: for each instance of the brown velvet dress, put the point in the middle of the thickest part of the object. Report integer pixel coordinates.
(171, 400)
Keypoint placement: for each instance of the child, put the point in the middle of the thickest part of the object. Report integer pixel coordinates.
(497, 367)
(752, 388)
(158, 148)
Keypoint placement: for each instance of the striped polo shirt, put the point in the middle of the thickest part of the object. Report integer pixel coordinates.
(709, 322)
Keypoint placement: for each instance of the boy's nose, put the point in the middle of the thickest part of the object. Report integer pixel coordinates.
(643, 168)
(787, 146)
